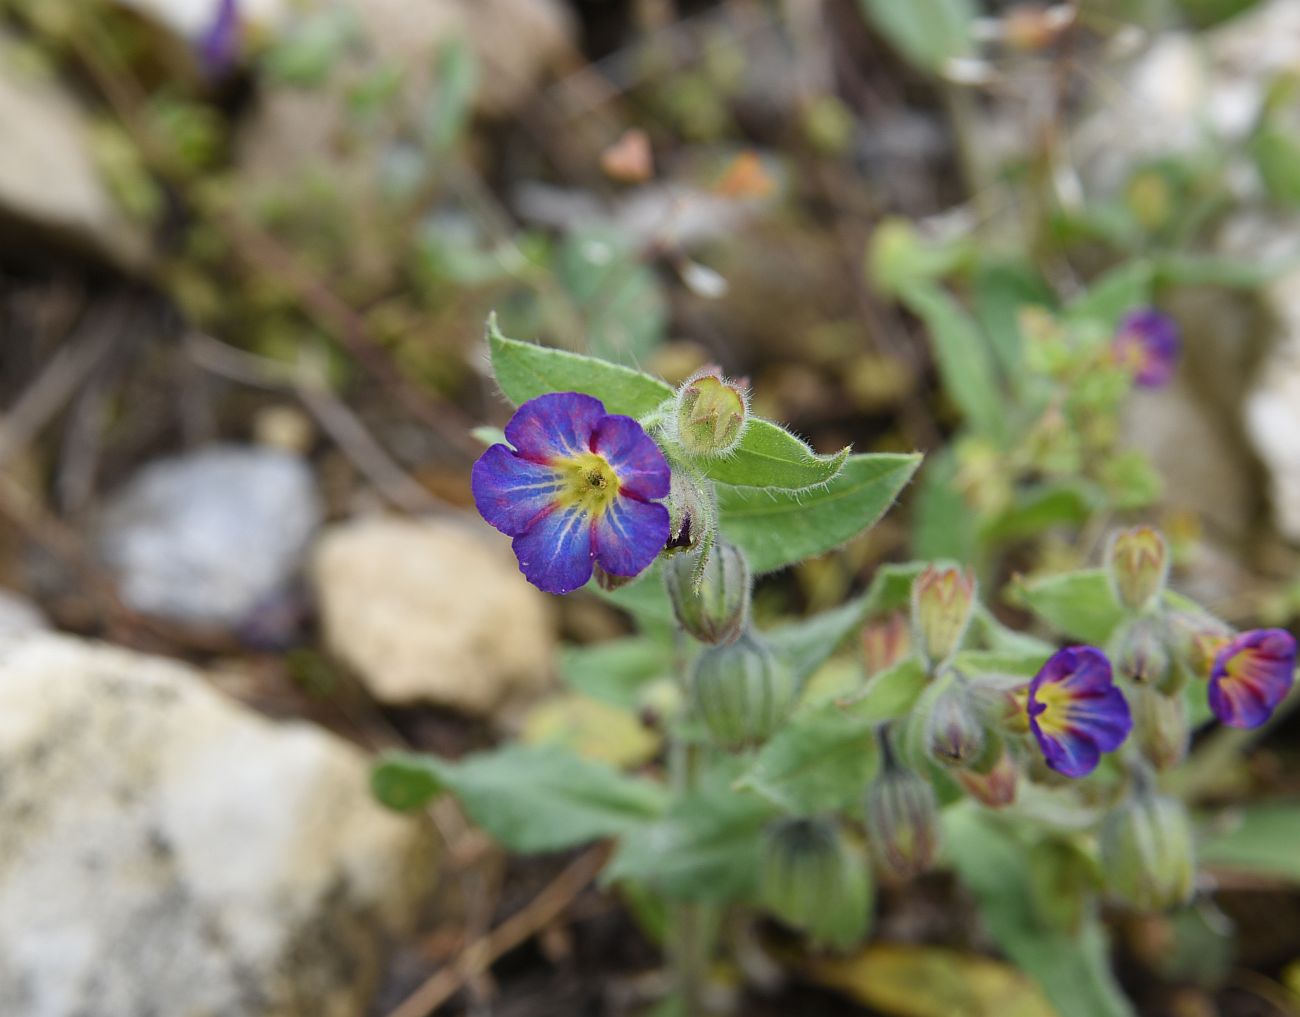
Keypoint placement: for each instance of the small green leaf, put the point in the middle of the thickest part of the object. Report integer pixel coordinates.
(1113, 295)
(615, 672)
(1263, 839)
(456, 75)
(526, 370)
(1080, 605)
(1277, 157)
(1072, 969)
(705, 848)
(890, 694)
(646, 600)
(929, 33)
(1063, 503)
(770, 456)
(1001, 290)
(963, 357)
(405, 781)
(810, 642)
(778, 528)
(821, 761)
(943, 525)
(1221, 270)
(544, 799)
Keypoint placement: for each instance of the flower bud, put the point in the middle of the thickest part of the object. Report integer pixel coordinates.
(1195, 637)
(1160, 726)
(711, 414)
(689, 513)
(997, 787)
(1139, 651)
(1137, 563)
(742, 691)
(714, 609)
(942, 599)
(902, 820)
(885, 641)
(814, 879)
(954, 731)
(1146, 852)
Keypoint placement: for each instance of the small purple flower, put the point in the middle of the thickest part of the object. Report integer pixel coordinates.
(1075, 710)
(218, 46)
(578, 489)
(1148, 343)
(1252, 673)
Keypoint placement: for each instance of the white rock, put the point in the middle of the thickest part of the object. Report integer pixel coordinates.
(49, 184)
(432, 611)
(18, 615)
(208, 536)
(1273, 422)
(165, 851)
(190, 18)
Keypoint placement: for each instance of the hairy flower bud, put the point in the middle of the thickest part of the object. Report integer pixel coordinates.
(1146, 852)
(1160, 726)
(815, 879)
(997, 787)
(1137, 563)
(742, 691)
(954, 731)
(902, 821)
(942, 600)
(690, 513)
(715, 610)
(885, 641)
(1139, 651)
(711, 414)
(1195, 637)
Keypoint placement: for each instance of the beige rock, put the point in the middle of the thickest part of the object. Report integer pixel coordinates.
(50, 188)
(165, 851)
(1273, 421)
(433, 611)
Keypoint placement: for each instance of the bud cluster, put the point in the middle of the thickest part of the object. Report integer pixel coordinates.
(816, 879)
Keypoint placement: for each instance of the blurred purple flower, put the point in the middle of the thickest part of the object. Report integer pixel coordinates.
(218, 46)
(1148, 343)
(578, 489)
(1075, 711)
(1252, 673)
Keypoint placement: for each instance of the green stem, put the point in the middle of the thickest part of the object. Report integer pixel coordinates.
(688, 945)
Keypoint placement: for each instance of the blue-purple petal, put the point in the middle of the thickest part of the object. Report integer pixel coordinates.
(1068, 753)
(1151, 341)
(556, 553)
(511, 492)
(556, 425)
(1105, 718)
(1252, 674)
(629, 535)
(1075, 710)
(641, 467)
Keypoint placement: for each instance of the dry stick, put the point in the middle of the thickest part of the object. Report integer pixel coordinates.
(516, 930)
(51, 390)
(339, 422)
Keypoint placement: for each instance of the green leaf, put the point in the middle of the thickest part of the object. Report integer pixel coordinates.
(405, 781)
(891, 588)
(929, 33)
(1072, 969)
(1064, 503)
(821, 761)
(1277, 157)
(890, 694)
(646, 600)
(770, 456)
(964, 359)
(810, 642)
(943, 524)
(1078, 604)
(1113, 295)
(1263, 839)
(526, 370)
(1001, 290)
(456, 76)
(616, 671)
(542, 798)
(705, 848)
(1221, 270)
(779, 528)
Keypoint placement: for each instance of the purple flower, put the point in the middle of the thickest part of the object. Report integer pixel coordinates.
(218, 46)
(1252, 673)
(1075, 710)
(578, 489)
(1148, 343)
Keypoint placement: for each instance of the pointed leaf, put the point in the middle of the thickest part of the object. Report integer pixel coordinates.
(770, 456)
(1079, 605)
(779, 528)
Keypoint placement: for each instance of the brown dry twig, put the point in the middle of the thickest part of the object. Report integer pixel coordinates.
(480, 955)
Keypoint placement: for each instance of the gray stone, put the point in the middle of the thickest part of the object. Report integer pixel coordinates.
(50, 190)
(433, 611)
(209, 536)
(164, 851)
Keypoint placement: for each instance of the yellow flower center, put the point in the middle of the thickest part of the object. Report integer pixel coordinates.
(589, 483)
